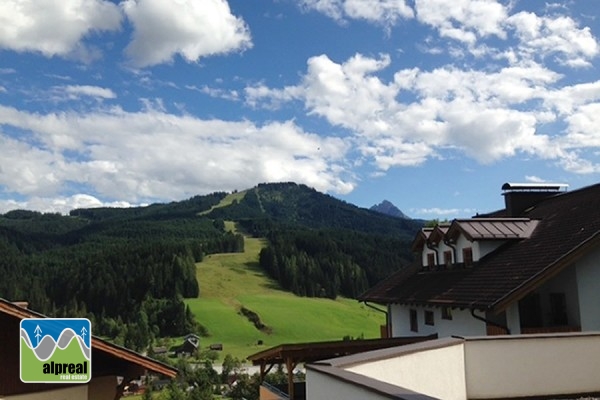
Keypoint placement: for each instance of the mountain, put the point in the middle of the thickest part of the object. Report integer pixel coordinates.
(116, 264)
(388, 208)
(298, 206)
(319, 246)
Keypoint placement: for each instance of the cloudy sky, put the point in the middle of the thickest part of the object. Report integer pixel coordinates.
(431, 104)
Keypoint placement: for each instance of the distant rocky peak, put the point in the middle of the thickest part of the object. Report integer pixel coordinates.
(388, 208)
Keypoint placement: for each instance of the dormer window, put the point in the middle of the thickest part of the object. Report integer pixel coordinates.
(467, 253)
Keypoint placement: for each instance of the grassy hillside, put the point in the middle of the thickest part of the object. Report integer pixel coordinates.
(231, 281)
(226, 201)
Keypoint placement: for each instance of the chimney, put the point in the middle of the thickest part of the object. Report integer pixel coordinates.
(518, 197)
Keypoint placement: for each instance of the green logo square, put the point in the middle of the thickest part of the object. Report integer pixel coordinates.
(56, 350)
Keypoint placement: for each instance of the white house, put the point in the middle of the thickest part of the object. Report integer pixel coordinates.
(532, 267)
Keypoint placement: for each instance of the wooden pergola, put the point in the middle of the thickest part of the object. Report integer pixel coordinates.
(291, 355)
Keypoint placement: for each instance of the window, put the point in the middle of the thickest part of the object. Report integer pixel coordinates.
(414, 323)
(530, 311)
(448, 258)
(431, 260)
(429, 317)
(446, 313)
(467, 256)
(558, 308)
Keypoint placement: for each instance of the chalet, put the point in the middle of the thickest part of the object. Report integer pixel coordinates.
(109, 362)
(190, 345)
(532, 267)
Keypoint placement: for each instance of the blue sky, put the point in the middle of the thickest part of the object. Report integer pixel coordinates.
(431, 104)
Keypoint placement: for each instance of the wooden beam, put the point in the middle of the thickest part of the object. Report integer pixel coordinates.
(263, 371)
(289, 365)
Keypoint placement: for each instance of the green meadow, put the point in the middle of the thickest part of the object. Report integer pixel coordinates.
(229, 282)
(227, 200)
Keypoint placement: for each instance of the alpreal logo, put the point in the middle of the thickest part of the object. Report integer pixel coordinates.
(56, 350)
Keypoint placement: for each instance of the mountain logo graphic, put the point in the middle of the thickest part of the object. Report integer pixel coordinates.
(56, 350)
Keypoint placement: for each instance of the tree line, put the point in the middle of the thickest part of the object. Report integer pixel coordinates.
(328, 263)
(129, 276)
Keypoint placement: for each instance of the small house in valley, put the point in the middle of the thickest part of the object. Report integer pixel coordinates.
(190, 345)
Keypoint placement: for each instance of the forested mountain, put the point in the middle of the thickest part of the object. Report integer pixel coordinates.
(128, 269)
(319, 245)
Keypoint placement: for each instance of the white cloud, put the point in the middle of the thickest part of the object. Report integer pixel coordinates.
(92, 91)
(487, 115)
(443, 212)
(534, 179)
(191, 29)
(154, 155)
(543, 36)
(73, 92)
(463, 20)
(568, 98)
(218, 93)
(535, 37)
(55, 27)
(58, 204)
(583, 126)
(384, 12)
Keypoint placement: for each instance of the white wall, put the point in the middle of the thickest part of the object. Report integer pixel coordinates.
(461, 243)
(438, 372)
(487, 246)
(462, 323)
(521, 366)
(322, 386)
(588, 282)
